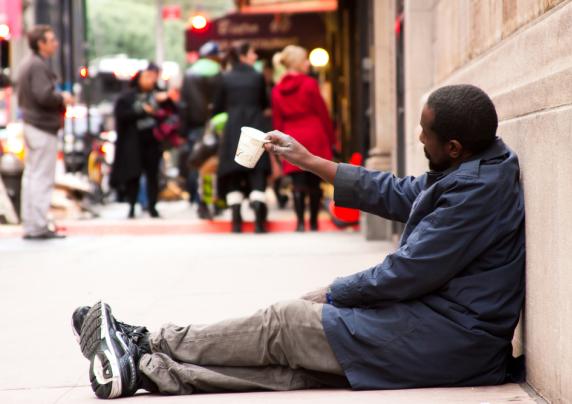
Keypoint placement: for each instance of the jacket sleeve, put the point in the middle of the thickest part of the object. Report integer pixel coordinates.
(441, 246)
(219, 104)
(184, 106)
(264, 102)
(43, 90)
(128, 109)
(277, 119)
(379, 193)
(320, 108)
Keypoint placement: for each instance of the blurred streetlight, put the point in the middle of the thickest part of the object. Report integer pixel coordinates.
(4, 31)
(199, 22)
(319, 57)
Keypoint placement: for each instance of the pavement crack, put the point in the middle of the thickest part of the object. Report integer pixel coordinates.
(44, 387)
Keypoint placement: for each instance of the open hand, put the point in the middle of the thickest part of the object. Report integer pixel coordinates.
(317, 296)
(148, 109)
(161, 96)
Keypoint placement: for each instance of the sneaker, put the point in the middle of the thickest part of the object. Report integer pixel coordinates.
(78, 318)
(203, 211)
(45, 235)
(114, 356)
(136, 333)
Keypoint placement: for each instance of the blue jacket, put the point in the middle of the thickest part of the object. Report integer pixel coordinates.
(442, 309)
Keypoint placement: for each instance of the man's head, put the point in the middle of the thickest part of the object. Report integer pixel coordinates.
(42, 40)
(210, 50)
(146, 79)
(457, 122)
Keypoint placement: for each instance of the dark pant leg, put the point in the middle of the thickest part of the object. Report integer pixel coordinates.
(299, 191)
(234, 185)
(193, 174)
(193, 185)
(315, 194)
(151, 161)
(132, 190)
(237, 182)
(305, 182)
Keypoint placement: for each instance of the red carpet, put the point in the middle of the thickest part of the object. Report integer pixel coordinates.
(145, 227)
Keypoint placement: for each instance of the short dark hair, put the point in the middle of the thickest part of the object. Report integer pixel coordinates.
(151, 66)
(37, 34)
(465, 113)
(235, 52)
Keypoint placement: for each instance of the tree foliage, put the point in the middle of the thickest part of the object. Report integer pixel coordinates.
(128, 26)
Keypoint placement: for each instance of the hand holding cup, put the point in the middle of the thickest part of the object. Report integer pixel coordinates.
(250, 147)
(287, 147)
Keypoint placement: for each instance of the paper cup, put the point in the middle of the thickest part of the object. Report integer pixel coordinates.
(250, 146)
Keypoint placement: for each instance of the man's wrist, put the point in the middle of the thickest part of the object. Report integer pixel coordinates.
(323, 168)
(329, 298)
(307, 163)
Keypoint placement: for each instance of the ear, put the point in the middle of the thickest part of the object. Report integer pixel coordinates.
(454, 149)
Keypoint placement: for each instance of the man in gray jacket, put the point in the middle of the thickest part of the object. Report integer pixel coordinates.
(42, 110)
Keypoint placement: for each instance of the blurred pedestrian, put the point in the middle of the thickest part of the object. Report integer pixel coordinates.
(243, 96)
(200, 85)
(273, 72)
(43, 110)
(299, 110)
(137, 150)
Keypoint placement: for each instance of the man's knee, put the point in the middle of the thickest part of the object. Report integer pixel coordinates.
(295, 311)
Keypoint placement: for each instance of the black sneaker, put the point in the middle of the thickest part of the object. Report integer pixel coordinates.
(45, 235)
(203, 211)
(135, 333)
(114, 357)
(78, 318)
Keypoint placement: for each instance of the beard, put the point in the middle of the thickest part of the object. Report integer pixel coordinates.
(436, 166)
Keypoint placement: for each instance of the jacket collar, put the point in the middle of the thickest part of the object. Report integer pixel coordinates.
(37, 55)
(472, 165)
(243, 67)
(497, 149)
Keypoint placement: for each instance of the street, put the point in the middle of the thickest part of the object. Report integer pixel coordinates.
(150, 279)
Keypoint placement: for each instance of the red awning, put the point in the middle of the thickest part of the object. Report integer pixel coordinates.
(269, 32)
(291, 7)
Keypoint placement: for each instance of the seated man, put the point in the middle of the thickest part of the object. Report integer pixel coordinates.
(439, 311)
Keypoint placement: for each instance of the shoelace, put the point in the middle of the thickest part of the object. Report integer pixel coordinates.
(138, 335)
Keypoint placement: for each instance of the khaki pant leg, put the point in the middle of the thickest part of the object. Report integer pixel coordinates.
(184, 378)
(38, 178)
(288, 334)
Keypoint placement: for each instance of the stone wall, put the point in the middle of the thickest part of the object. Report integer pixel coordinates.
(519, 52)
(384, 122)
(465, 29)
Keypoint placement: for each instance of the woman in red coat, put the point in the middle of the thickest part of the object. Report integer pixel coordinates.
(299, 110)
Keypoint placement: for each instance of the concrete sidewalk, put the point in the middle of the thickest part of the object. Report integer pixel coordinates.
(508, 394)
(179, 278)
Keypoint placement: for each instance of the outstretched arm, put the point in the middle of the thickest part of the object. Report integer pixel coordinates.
(379, 193)
(287, 147)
